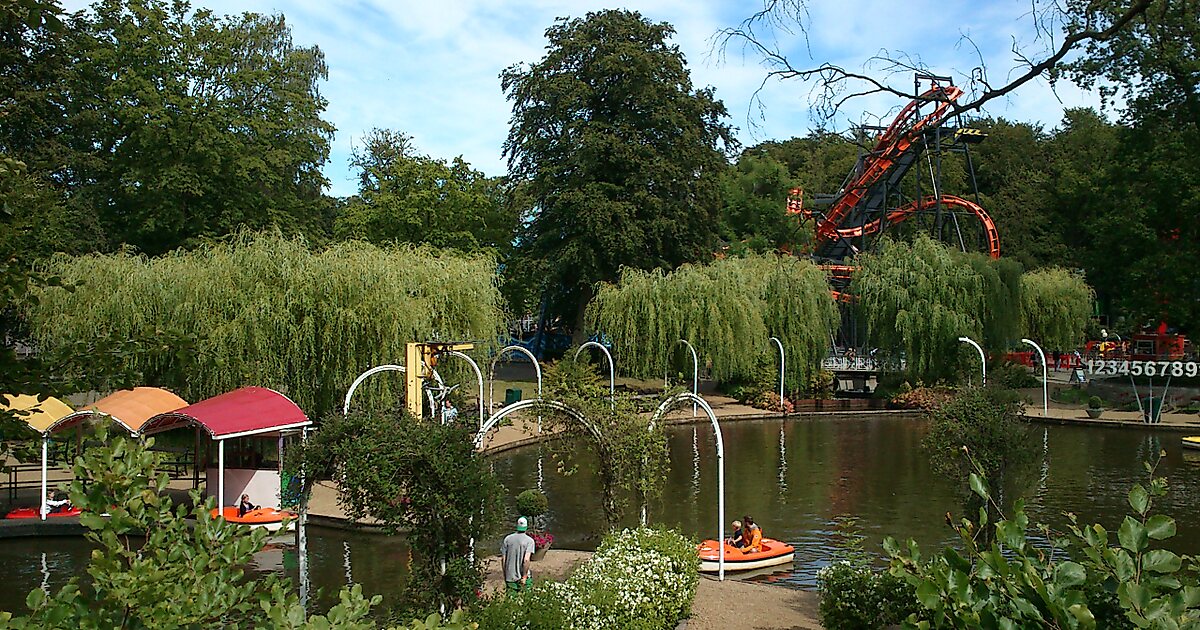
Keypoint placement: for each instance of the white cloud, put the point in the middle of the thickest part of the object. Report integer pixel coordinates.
(431, 69)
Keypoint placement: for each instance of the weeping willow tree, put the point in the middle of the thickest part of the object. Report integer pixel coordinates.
(1055, 307)
(266, 310)
(1001, 315)
(726, 309)
(919, 298)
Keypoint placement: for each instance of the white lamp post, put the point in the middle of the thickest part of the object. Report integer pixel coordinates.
(982, 356)
(1045, 395)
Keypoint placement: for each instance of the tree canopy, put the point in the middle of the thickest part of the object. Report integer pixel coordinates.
(404, 197)
(617, 154)
(169, 125)
(271, 311)
(727, 310)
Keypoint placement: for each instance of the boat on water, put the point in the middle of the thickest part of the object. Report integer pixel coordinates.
(32, 512)
(772, 552)
(1191, 441)
(267, 518)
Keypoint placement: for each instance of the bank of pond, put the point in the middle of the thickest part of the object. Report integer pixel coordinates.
(795, 477)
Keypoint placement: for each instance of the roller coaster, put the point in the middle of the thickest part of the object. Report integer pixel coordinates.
(875, 195)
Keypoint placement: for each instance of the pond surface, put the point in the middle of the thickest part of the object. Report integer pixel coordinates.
(793, 477)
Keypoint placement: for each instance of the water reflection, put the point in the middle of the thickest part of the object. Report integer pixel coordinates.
(796, 477)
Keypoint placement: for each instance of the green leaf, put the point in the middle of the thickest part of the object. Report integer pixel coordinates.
(1139, 499)
(1069, 574)
(980, 487)
(35, 599)
(1160, 527)
(929, 595)
(1132, 535)
(1161, 561)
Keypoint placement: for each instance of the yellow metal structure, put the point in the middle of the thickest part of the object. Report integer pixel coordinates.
(419, 361)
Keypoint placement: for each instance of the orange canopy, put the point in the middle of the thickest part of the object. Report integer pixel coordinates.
(130, 408)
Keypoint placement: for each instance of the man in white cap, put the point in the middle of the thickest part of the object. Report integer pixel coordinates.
(515, 552)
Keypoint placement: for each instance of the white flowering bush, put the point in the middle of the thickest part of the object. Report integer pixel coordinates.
(638, 579)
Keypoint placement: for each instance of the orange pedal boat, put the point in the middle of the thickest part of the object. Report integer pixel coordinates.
(773, 552)
(270, 519)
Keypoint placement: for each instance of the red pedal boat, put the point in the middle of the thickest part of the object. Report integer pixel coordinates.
(773, 552)
(32, 512)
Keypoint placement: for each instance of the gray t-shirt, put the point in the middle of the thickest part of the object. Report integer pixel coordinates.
(513, 550)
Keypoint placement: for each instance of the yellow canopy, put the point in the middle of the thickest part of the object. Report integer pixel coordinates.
(40, 415)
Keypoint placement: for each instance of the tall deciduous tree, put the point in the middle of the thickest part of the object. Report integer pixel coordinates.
(405, 197)
(618, 153)
(188, 125)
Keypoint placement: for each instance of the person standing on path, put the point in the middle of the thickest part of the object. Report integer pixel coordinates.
(515, 552)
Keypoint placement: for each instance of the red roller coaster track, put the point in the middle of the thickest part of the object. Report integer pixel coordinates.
(899, 139)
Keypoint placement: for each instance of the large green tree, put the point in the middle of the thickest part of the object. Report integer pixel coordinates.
(405, 197)
(180, 124)
(619, 156)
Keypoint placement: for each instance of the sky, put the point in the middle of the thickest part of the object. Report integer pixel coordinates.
(431, 69)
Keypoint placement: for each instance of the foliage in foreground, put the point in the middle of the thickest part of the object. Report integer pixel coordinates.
(271, 311)
(855, 596)
(185, 575)
(1082, 581)
(642, 578)
(416, 476)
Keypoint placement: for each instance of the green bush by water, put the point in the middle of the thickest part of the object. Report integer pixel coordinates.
(641, 579)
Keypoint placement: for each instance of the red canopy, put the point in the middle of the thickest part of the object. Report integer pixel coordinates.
(241, 412)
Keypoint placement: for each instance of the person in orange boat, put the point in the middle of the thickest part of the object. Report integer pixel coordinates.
(738, 539)
(245, 506)
(752, 533)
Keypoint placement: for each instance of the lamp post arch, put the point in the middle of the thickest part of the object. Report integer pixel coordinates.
(782, 365)
(478, 378)
(492, 375)
(612, 374)
(712, 417)
(982, 356)
(695, 371)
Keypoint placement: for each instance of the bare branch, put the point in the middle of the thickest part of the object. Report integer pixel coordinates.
(833, 89)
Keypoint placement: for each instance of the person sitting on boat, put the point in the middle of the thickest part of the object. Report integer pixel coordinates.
(245, 506)
(752, 534)
(56, 502)
(738, 539)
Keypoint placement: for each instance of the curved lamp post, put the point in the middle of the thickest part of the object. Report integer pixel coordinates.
(712, 417)
(492, 375)
(478, 378)
(1045, 393)
(695, 372)
(781, 366)
(612, 375)
(982, 357)
(364, 376)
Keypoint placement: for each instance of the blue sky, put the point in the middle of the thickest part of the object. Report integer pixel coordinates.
(431, 69)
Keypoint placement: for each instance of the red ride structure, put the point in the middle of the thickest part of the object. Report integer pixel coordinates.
(873, 197)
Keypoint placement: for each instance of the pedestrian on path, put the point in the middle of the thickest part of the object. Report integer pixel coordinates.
(515, 552)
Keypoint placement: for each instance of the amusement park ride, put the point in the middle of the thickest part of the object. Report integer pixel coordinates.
(874, 198)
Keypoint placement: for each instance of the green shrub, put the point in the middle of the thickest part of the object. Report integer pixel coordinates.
(539, 608)
(1095, 402)
(1013, 375)
(854, 596)
(532, 503)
